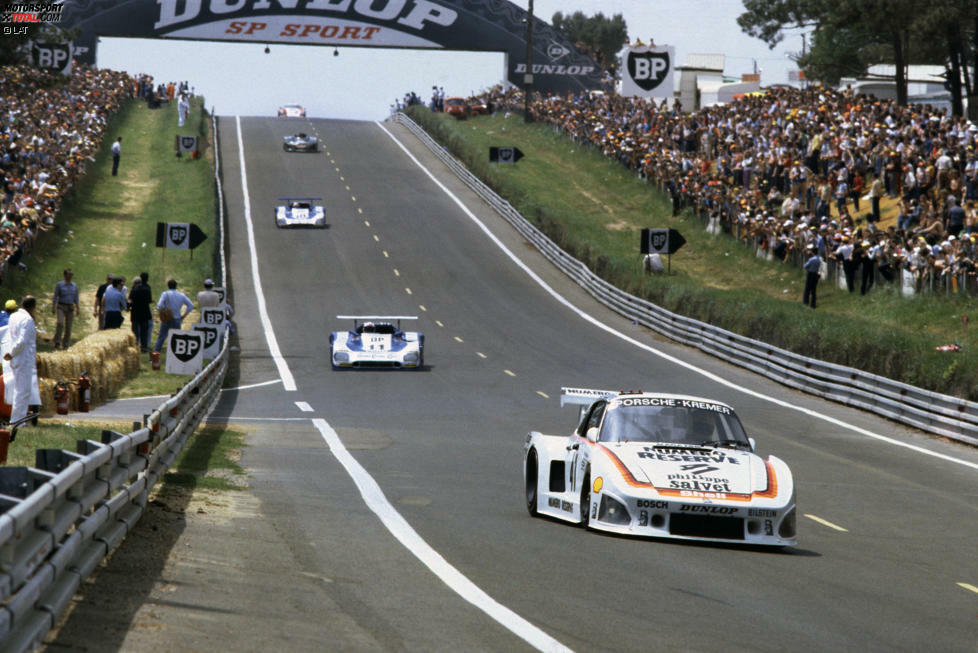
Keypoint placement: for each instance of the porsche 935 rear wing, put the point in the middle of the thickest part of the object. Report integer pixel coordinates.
(583, 397)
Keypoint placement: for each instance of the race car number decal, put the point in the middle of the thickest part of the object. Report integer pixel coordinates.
(375, 341)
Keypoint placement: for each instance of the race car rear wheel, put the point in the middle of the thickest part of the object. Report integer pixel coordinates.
(532, 477)
(586, 499)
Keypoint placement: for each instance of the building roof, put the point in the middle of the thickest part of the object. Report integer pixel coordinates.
(705, 62)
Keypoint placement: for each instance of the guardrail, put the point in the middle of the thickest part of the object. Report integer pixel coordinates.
(61, 518)
(937, 413)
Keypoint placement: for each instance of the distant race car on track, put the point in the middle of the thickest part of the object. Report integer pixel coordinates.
(376, 341)
(659, 465)
(300, 142)
(300, 212)
(291, 111)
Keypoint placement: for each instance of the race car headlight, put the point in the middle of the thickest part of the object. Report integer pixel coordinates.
(613, 511)
(341, 357)
(787, 530)
(411, 357)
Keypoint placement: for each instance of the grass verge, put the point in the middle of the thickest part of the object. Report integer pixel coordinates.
(594, 209)
(107, 225)
(208, 461)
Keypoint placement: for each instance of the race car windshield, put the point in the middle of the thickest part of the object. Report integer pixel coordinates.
(714, 425)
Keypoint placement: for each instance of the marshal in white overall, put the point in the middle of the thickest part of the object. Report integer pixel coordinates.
(659, 465)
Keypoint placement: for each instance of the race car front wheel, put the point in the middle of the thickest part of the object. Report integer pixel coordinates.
(532, 476)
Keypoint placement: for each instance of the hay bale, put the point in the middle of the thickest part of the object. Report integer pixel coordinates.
(110, 357)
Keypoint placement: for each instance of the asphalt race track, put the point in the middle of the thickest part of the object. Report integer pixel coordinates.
(887, 557)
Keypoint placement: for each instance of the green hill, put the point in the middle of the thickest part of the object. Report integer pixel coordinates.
(594, 209)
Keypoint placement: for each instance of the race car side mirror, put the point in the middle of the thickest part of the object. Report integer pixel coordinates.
(592, 434)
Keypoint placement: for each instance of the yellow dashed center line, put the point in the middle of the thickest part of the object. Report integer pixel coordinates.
(408, 291)
(386, 255)
(969, 587)
(510, 372)
(348, 188)
(825, 522)
(438, 322)
(376, 238)
(396, 272)
(353, 197)
(543, 394)
(421, 306)
(457, 339)
(359, 210)
(342, 178)
(366, 222)
(480, 354)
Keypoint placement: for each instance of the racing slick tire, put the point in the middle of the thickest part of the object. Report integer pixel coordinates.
(532, 477)
(585, 506)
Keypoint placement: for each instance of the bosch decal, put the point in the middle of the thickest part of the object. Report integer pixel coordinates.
(656, 505)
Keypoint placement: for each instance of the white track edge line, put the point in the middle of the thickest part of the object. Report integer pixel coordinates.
(283, 369)
(413, 542)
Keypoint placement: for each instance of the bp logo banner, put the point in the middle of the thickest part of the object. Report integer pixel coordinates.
(52, 57)
(176, 235)
(186, 143)
(212, 339)
(212, 315)
(647, 72)
(184, 353)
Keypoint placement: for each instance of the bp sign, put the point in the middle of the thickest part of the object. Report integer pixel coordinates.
(470, 25)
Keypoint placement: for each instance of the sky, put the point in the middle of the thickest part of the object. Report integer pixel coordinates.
(362, 83)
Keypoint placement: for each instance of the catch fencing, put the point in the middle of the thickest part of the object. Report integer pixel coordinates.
(937, 413)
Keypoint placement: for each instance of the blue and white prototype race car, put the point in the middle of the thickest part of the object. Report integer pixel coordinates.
(376, 341)
(659, 465)
(300, 142)
(300, 212)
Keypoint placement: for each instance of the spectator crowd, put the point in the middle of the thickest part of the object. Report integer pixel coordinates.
(50, 131)
(789, 168)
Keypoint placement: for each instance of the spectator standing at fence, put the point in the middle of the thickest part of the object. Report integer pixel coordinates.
(99, 311)
(812, 268)
(116, 155)
(183, 110)
(208, 297)
(865, 256)
(22, 338)
(875, 195)
(65, 307)
(844, 254)
(170, 306)
(9, 308)
(140, 311)
(114, 303)
(955, 217)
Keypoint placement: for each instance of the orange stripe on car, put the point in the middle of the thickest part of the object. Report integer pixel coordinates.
(770, 492)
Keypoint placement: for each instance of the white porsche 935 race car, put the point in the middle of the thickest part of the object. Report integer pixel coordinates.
(376, 341)
(300, 212)
(660, 465)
